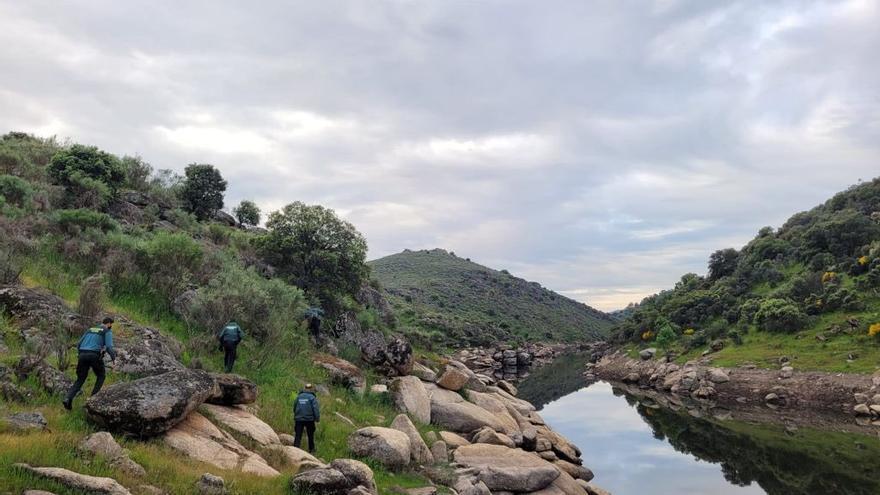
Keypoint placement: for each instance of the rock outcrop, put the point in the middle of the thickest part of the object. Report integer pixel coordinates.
(232, 390)
(152, 405)
(342, 372)
(419, 451)
(102, 444)
(77, 481)
(385, 445)
(242, 422)
(410, 396)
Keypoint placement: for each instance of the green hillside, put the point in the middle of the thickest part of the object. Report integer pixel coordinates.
(808, 291)
(442, 297)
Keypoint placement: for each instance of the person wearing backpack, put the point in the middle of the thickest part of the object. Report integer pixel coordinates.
(306, 412)
(91, 347)
(229, 338)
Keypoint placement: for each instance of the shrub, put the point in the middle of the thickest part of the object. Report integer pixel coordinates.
(171, 260)
(874, 330)
(91, 297)
(73, 222)
(665, 337)
(688, 331)
(780, 315)
(15, 190)
(137, 173)
(247, 213)
(203, 190)
(10, 266)
(87, 173)
(722, 263)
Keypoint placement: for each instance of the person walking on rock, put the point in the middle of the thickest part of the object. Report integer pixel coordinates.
(91, 347)
(306, 412)
(229, 338)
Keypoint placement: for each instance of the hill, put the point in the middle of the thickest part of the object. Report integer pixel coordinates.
(808, 291)
(445, 298)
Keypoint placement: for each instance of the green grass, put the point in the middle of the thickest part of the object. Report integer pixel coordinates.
(280, 371)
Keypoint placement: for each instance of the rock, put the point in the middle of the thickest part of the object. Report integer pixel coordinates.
(209, 484)
(426, 490)
(24, 421)
(381, 388)
(463, 417)
(150, 490)
(242, 422)
(399, 355)
(495, 404)
(385, 445)
(439, 451)
(419, 452)
(632, 377)
(786, 372)
(342, 372)
(357, 473)
(576, 471)
(372, 345)
(233, 389)
(507, 387)
(53, 380)
(103, 445)
(592, 489)
(286, 439)
(225, 218)
(36, 492)
(410, 396)
(297, 459)
(145, 351)
(860, 398)
(862, 410)
(774, 399)
(359, 490)
(374, 299)
(548, 455)
(716, 345)
(483, 456)
(452, 440)
(345, 420)
(198, 438)
(152, 405)
(453, 379)
(717, 375)
(320, 481)
(423, 372)
(648, 353)
(76, 481)
(518, 479)
(488, 435)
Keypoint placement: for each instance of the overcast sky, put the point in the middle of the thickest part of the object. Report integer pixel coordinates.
(601, 148)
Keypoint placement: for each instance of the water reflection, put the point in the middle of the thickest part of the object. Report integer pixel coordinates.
(634, 449)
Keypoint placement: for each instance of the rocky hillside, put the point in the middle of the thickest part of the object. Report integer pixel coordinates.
(453, 300)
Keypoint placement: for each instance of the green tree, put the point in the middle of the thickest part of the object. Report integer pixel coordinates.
(780, 315)
(722, 263)
(89, 175)
(315, 250)
(665, 337)
(247, 213)
(203, 190)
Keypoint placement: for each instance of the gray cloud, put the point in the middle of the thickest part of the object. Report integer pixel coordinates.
(603, 149)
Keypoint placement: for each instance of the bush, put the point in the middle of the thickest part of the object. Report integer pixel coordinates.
(91, 297)
(74, 222)
(15, 190)
(203, 190)
(265, 309)
(874, 330)
(137, 173)
(247, 213)
(87, 173)
(171, 260)
(10, 266)
(780, 315)
(722, 263)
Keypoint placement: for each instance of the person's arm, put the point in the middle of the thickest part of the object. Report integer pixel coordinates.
(316, 409)
(108, 345)
(240, 333)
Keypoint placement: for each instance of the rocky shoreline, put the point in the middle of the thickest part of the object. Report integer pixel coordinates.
(510, 363)
(841, 401)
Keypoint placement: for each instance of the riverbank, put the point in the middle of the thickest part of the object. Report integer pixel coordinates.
(849, 402)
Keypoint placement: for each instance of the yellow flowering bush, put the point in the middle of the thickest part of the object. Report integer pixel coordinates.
(647, 335)
(829, 277)
(874, 330)
(863, 260)
(688, 331)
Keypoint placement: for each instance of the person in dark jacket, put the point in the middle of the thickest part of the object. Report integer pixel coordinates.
(306, 412)
(229, 338)
(91, 347)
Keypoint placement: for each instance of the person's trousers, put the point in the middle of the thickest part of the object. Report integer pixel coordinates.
(230, 350)
(298, 427)
(88, 360)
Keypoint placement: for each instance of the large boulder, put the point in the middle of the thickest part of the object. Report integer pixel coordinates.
(399, 356)
(77, 481)
(102, 444)
(297, 459)
(373, 299)
(410, 396)
(385, 445)
(488, 435)
(419, 451)
(463, 417)
(453, 379)
(481, 456)
(31, 306)
(342, 372)
(233, 389)
(452, 440)
(323, 481)
(210, 484)
(25, 421)
(198, 438)
(152, 405)
(357, 473)
(423, 372)
(495, 404)
(518, 478)
(144, 351)
(242, 422)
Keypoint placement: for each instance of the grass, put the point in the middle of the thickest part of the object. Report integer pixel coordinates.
(279, 371)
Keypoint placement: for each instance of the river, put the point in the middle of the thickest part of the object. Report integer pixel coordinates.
(635, 446)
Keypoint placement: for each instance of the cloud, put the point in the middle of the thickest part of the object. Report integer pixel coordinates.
(601, 149)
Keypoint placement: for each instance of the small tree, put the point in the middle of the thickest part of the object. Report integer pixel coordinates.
(203, 190)
(722, 263)
(779, 315)
(247, 213)
(315, 250)
(89, 175)
(665, 337)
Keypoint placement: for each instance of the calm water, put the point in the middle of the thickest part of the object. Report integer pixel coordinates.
(634, 449)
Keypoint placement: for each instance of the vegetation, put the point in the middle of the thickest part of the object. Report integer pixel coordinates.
(443, 298)
(247, 213)
(203, 190)
(810, 288)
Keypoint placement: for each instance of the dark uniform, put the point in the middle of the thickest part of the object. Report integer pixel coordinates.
(230, 337)
(91, 349)
(306, 412)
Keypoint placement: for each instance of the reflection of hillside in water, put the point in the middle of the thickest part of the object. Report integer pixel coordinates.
(803, 462)
(554, 380)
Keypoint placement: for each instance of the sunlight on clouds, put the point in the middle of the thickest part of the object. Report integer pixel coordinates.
(498, 151)
(216, 139)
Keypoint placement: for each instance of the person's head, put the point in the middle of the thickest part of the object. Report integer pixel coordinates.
(108, 322)
(309, 387)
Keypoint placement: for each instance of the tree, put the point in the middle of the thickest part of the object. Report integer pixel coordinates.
(722, 263)
(203, 190)
(779, 315)
(665, 337)
(247, 213)
(89, 175)
(315, 250)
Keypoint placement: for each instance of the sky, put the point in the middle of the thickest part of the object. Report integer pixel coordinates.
(601, 148)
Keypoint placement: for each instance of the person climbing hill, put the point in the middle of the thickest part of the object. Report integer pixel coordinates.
(230, 336)
(91, 347)
(306, 412)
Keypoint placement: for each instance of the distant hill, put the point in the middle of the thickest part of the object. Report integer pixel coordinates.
(444, 298)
